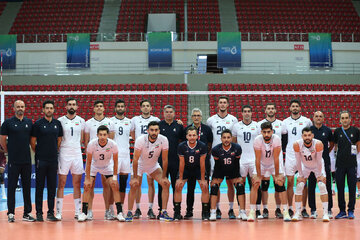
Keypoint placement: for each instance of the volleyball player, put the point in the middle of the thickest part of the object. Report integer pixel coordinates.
(139, 125)
(309, 158)
(192, 154)
(102, 157)
(218, 123)
(2, 170)
(70, 156)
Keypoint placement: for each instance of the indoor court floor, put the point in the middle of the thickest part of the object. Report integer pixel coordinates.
(143, 228)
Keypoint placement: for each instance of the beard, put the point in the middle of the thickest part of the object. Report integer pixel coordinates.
(49, 114)
(19, 112)
(153, 136)
(71, 111)
(271, 115)
(120, 112)
(295, 112)
(267, 139)
(307, 141)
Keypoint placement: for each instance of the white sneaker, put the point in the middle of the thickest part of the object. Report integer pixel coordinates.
(296, 217)
(82, 217)
(89, 215)
(243, 216)
(313, 215)
(112, 213)
(58, 216)
(120, 217)
(286, 216)
(108, 215)
(212, 216)
(326, 218)
(252, 216)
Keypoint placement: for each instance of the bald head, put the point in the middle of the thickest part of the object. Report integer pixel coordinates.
(318, 118)
(19, 108)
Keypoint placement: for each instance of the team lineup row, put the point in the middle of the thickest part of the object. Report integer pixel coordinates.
(223, 148)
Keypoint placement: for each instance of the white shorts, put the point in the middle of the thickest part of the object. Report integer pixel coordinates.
(212, 165)
(124, 164)
(107, 171)
(68, 163)
(290, 167)
(148, 169)
(246, 168)
(267, 171)
(306, 171)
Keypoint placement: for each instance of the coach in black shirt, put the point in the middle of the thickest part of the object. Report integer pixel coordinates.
(205, 136)
(17, 130)
(45, 141)
(174, 132)
(347, 140)
(324, 134)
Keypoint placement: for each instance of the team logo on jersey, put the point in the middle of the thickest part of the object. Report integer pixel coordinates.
(44, 126)
(77, 123)
(276, 126)
(351, 135)
(174, 129)
(108, 149)
(15, 125)
(126, 123)
(232, 153)
(300, 123)
(323, 134)
(252, 128)
(55, 126)
(26, 125)
(197, 151)
(228, 122)
(157, 146)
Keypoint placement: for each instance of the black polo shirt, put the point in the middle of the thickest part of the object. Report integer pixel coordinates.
(206, 135)
(325, 135)
(344, 158)
(174, 132)
(18, 132)
(47, 134)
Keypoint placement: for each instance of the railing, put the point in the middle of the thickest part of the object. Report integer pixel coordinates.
(181, 68)
(190, 36)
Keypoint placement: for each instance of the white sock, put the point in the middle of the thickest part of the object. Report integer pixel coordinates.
(265, 206)
(3, 189)
(277, 205)
(213, 211)
(163, 210)
(298, 206)
(59, 205)
(138, 205)
(291, 207)
(111, 208)
(150, 205)
(258, 206)
(285, 207)
(325, 206)
(303, 208)
(231, 205)
(252, 206)
(243, 211)
(218, 205)
(77, 203)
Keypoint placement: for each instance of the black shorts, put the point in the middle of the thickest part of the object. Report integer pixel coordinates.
(193, 173)
(219, 173)
(106, 176)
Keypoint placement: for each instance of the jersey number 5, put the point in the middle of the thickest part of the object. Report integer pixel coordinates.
(151, 154)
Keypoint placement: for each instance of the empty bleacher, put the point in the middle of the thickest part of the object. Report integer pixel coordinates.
(2, 7)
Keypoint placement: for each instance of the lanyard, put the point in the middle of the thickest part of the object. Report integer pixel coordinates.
(346, 136)
(199, 131)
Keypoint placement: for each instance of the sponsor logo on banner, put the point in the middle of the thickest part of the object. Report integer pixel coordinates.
(94, 46)
(298, 46)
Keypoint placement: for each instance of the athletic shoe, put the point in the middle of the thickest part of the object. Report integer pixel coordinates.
(76, 216)
(231, 214)
(358, 196)
(258, 214)
(330, 214)
(11, 218)
(108, 215)
(351, 215)
(39, 217)
(291, 213)
(326, 218)
(265, 214)
(212, 216)
(177, 216)
(112, 213)
(28, 218)
(341, 215)
(242, 216)
(252, 216)
(304, 214)
(51, 217)
(188, 215)
(150, 214)
(90, 215)
(129, 217)
(165, 217)
(158, 216)
(83, 217)
(18, 189)
(278, 213)
(287, 217)
(120, 217)
(313, 215)
(205, 216)
(58, 216)
(137, 214)
(296, 217)
(218, 213)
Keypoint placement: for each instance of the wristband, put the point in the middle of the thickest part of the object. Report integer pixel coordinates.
(115, 177)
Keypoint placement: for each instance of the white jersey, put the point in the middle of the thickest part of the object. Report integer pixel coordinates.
(102, 157)
(92, 125)
(140, 124)
(70, 143)
(267, 149)
(122, 134)
(293, 127)
(245, 135)
(150, 152)
(308, 155)
(218, 124)
(276, 125)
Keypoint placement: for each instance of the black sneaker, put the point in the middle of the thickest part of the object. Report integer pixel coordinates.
(28, 218)
(150, 214)
(218, 214)
(137, 214)
(291, 212)
(177, 216)
(158, 216)
(39, 217)
(258, 214)
(278, 213)
(266, 213)
(51, 217)
(205, 216)
(231, 214)
(11, 218)
(188, 215)
(304, 214)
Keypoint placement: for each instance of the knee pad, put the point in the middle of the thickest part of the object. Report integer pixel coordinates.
(214, 189)
(299, 188)
(322, 188)
(279, 189)
(1, 178)
(240, 189)
(122, 183)
(265, 185)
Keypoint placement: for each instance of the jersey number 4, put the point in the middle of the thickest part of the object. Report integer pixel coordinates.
(294, 131)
